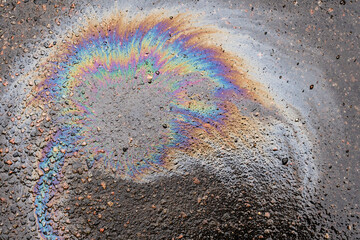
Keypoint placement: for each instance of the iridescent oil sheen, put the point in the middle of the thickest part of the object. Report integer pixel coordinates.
(165, 55)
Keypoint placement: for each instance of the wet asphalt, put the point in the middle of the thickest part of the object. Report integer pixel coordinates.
(301, 184)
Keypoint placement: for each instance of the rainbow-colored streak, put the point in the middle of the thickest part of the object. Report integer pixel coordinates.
(166, 56)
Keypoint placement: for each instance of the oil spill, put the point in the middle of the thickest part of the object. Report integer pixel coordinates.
(160, 121)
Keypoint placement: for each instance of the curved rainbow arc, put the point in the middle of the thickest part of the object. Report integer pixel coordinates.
(114, 54)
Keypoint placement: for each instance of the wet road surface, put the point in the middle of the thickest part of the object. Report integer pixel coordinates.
(190, 120)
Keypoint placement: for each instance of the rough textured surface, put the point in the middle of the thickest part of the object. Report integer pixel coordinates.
(291, 173)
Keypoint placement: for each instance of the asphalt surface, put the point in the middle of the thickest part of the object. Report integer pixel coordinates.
(179, 119)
